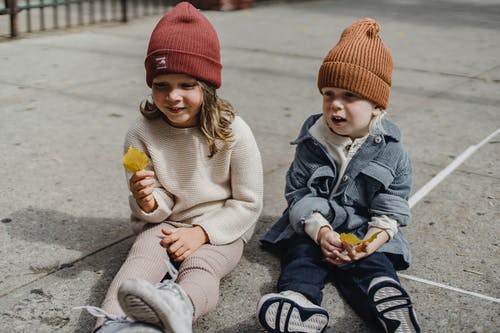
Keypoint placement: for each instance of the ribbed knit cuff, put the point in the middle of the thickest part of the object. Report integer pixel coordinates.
(390, 226)
(160, 214)
(313, 224)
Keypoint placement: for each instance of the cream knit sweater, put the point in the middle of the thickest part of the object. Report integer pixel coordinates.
(222, 194)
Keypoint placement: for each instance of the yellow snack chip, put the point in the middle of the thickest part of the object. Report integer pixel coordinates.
(350, 239)
(134, 160)
(353, 240)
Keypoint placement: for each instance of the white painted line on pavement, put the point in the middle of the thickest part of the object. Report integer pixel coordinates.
(424, 190)
(432, 283)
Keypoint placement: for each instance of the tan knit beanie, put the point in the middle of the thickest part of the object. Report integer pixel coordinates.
(360, 62)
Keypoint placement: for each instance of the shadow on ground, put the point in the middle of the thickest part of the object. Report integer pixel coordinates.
(101, 253)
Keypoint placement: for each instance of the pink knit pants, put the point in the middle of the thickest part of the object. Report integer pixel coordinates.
(199, 275)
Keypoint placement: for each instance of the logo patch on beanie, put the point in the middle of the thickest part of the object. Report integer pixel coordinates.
(161, 62)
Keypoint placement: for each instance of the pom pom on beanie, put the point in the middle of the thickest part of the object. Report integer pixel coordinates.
(184, 42)
(360, 62)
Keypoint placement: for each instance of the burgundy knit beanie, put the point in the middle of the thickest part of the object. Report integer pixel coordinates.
(184, 42)
(360, 62)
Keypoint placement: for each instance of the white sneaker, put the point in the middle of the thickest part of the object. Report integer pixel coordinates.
(118, 324)
(290, 311)
(393, 306)
(115, 326)
(165, 304)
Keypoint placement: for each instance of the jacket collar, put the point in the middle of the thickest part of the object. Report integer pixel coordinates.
(391, 131)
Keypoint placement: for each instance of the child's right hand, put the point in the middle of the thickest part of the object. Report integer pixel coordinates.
(332, 246)
(141, 185)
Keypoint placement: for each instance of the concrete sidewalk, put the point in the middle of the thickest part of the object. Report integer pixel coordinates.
(67, 99)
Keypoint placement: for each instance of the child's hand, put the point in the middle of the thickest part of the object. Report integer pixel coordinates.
(141, 186)
(364, 249)
(357, 252)
(332, 247)
(182, 242)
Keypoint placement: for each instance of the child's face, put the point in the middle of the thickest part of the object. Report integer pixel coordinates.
(179, 97)
(346, 113)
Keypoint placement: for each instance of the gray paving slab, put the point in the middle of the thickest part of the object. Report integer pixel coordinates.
(67, 99)
(485, 166)
(63, 163)
(444, 252)
(46, 304)
(493, 75)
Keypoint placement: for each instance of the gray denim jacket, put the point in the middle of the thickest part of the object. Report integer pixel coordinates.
(377, 181)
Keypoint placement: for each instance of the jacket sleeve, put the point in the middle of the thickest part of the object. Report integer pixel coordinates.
(239, 213)
(392, 199)
(307, 186)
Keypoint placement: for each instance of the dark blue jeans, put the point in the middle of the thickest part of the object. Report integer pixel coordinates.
(304, 270)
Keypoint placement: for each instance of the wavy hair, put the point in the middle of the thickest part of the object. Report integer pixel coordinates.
(214, 120)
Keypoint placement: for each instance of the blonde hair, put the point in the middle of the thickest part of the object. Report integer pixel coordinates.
(376, 123)
(215, 118)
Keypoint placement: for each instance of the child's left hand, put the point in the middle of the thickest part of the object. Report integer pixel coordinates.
(364, 249)
(182, 242)
(359, 251)
(349, 253)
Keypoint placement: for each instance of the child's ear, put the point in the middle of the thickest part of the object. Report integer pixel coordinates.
(376, 111)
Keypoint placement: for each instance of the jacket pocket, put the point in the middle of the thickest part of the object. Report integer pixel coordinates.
(322, 181)
(371, 179)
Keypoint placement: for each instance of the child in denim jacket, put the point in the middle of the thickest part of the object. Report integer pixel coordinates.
(350, 174)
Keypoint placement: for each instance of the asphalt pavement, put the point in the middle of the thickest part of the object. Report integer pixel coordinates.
(68, 97)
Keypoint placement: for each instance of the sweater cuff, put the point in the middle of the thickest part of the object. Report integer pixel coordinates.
(160, 214)
(390, 226)
(315, 222)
